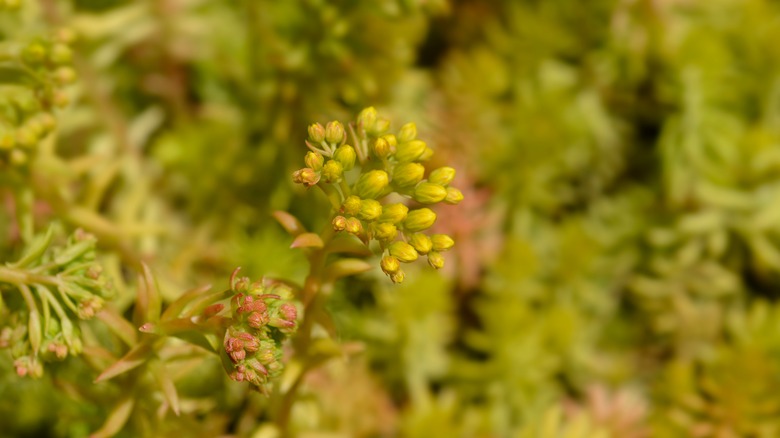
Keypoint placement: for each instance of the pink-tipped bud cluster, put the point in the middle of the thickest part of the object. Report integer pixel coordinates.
(43, 328)
(262, 317)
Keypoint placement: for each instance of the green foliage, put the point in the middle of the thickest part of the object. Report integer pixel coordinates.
(605, 183)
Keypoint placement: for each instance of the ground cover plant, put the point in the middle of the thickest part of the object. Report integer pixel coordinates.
(382, 218)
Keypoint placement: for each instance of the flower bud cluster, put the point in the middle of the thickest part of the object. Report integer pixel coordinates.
(66, 285)
(34, 87)
(263, 317)
(387, 163)
(326, 142)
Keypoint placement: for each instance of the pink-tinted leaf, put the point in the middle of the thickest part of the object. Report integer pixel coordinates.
(116, 419)
(135, 357)
(175, 308)
(307, 240)
(289, 222)
(217, 324)
(170, 327)
(187, 330)
(199, 303)
(119, 325)
(212, 310)
(204, 341)
(148, 301)
(150, 328)
(166, 384)
(98, 352)
(155, 300)
(97, 357)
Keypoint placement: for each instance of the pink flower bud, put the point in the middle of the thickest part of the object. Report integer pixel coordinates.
(237, 356)
(339, 223)
(288, 311)
(257, 320)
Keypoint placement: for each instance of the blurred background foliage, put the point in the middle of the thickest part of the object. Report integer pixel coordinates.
(618, 261)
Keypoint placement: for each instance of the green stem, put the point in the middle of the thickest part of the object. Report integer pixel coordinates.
(311, 298)
(360, 145)
(332, 194)
(345, 190)
(19, 277)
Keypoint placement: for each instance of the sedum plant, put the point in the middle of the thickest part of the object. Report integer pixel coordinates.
(246, 325)
(50, 288)
(616, 267)
(389, 166)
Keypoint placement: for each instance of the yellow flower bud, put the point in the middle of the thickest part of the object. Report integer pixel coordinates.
(408, 132)
(398, 277)
(454, 196)
(436, 260)
(390, 265)
(381, 126)
(316, 133)
(409, 151)
(429, 193)
(334, 132)
(339, 223)
(442, 242)
(351, 205)
(306, 176)
(385, 231)
(391, 140)
(371, 184)
(442, 176)
(408, 174)
(394, 213)
(426, 155)
(419, 220)
(65, 75)
(332, 171)
(402, 251)
(382, 148)
(354, 226)
(314, 160)
(60, 54)
(34, 53)
(367, 119)
(370, 209)
(421, 243)
(345, 154)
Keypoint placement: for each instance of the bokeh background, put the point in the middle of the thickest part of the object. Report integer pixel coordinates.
(617, 265)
